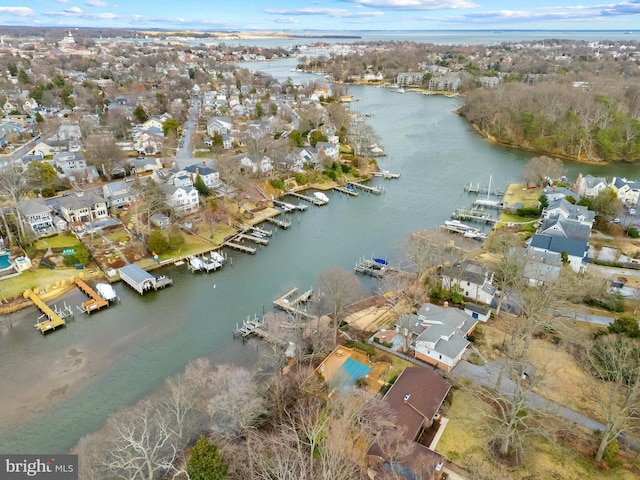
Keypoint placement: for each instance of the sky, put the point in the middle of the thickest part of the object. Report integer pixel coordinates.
(333, 15)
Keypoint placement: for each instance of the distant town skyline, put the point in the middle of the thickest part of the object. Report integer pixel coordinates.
(333, 15)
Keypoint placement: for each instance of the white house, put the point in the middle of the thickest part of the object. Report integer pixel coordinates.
(444, 337)
(628, 191)
(118, 194)
(331, 150)
(210, 177)
(590, 186)
(38, 215)
(182, 199)
(83, 208)
(218, 125)
(471, 279)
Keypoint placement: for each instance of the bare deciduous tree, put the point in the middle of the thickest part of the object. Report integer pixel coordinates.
(614, 361)
(337, 289)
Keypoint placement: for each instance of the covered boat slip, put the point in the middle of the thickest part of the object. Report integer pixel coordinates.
(141, 280)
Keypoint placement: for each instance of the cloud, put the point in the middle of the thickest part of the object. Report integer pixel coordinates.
(286, 20)
(18, 11)
(96, 3)
(74, 10)
(414, 4)
(624, 8)
(328, 12)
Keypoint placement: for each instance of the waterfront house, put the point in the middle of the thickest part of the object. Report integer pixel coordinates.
(555, 193)
(415, 399)
(80, 208)
(331, 150)
(118, 194)
(443, 339)
(160, 220)
(628, 191)
(590, 186)
(182, 199)
(38, 215)
(471, 279)
(562, 209)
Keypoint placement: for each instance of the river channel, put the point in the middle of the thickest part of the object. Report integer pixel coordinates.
(111, 359)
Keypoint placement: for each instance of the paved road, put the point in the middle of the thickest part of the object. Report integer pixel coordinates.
(184, 154)
(487, 375)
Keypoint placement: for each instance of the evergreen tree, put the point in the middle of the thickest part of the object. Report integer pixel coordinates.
(205, 462)
(157, 243)
(140, 114)
(201, 187)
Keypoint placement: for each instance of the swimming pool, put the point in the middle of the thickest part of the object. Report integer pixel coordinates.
(4, 262)
(352, 370)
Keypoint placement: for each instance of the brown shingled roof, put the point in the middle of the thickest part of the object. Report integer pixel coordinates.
(416, 396)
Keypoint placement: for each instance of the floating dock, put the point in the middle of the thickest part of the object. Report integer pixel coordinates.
(473, 214)
(284, 224)
(141, 280)
(366, 188)
(54, 320)
(349, 191)
(96, 303)
(289, 303)
(314, 200)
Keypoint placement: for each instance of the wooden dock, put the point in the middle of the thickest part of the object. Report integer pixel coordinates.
(284, 224)
(314, 200)
(248, 326)
(370, 267)
(289, 303)
(252, 238)
(54, 319)
(473, 214)
(240, 247)
(351, 191)
(488, 203)
(96, 303)
(261, 231)
(366, 188)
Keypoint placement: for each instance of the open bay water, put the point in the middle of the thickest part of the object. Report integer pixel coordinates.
(144, 339)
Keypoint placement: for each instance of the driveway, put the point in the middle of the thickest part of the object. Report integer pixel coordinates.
(487, 376)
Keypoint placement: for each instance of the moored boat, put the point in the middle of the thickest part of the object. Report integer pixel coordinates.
(106, 291)
(321, 196)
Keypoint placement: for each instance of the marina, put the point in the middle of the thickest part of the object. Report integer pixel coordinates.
(141, 280)
(96, 302)
(289, 303)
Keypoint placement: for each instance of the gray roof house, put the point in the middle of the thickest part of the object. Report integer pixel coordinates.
(590, 186)
(39, 215)
(471, 278)
(83, 207)
(444, 338)
(118, 194)
(561, 208)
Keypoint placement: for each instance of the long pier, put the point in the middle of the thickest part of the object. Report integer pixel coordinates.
(284, 224)
(351, 191)
(366, 188)
(316, 201)
(96, 302)
(252, 238)
(54, 320)
(240, 247)
(290, 304)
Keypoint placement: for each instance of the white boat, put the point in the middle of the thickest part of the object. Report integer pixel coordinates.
(321, 196)
(457, 224)
(196, 263)
(218, 257)
(106, 291)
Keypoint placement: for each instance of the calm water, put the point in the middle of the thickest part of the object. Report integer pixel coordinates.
(142, 340)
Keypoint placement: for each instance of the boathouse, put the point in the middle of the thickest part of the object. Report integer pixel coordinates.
(141, 280)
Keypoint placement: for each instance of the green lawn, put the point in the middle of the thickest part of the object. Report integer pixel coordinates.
(59, 241)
